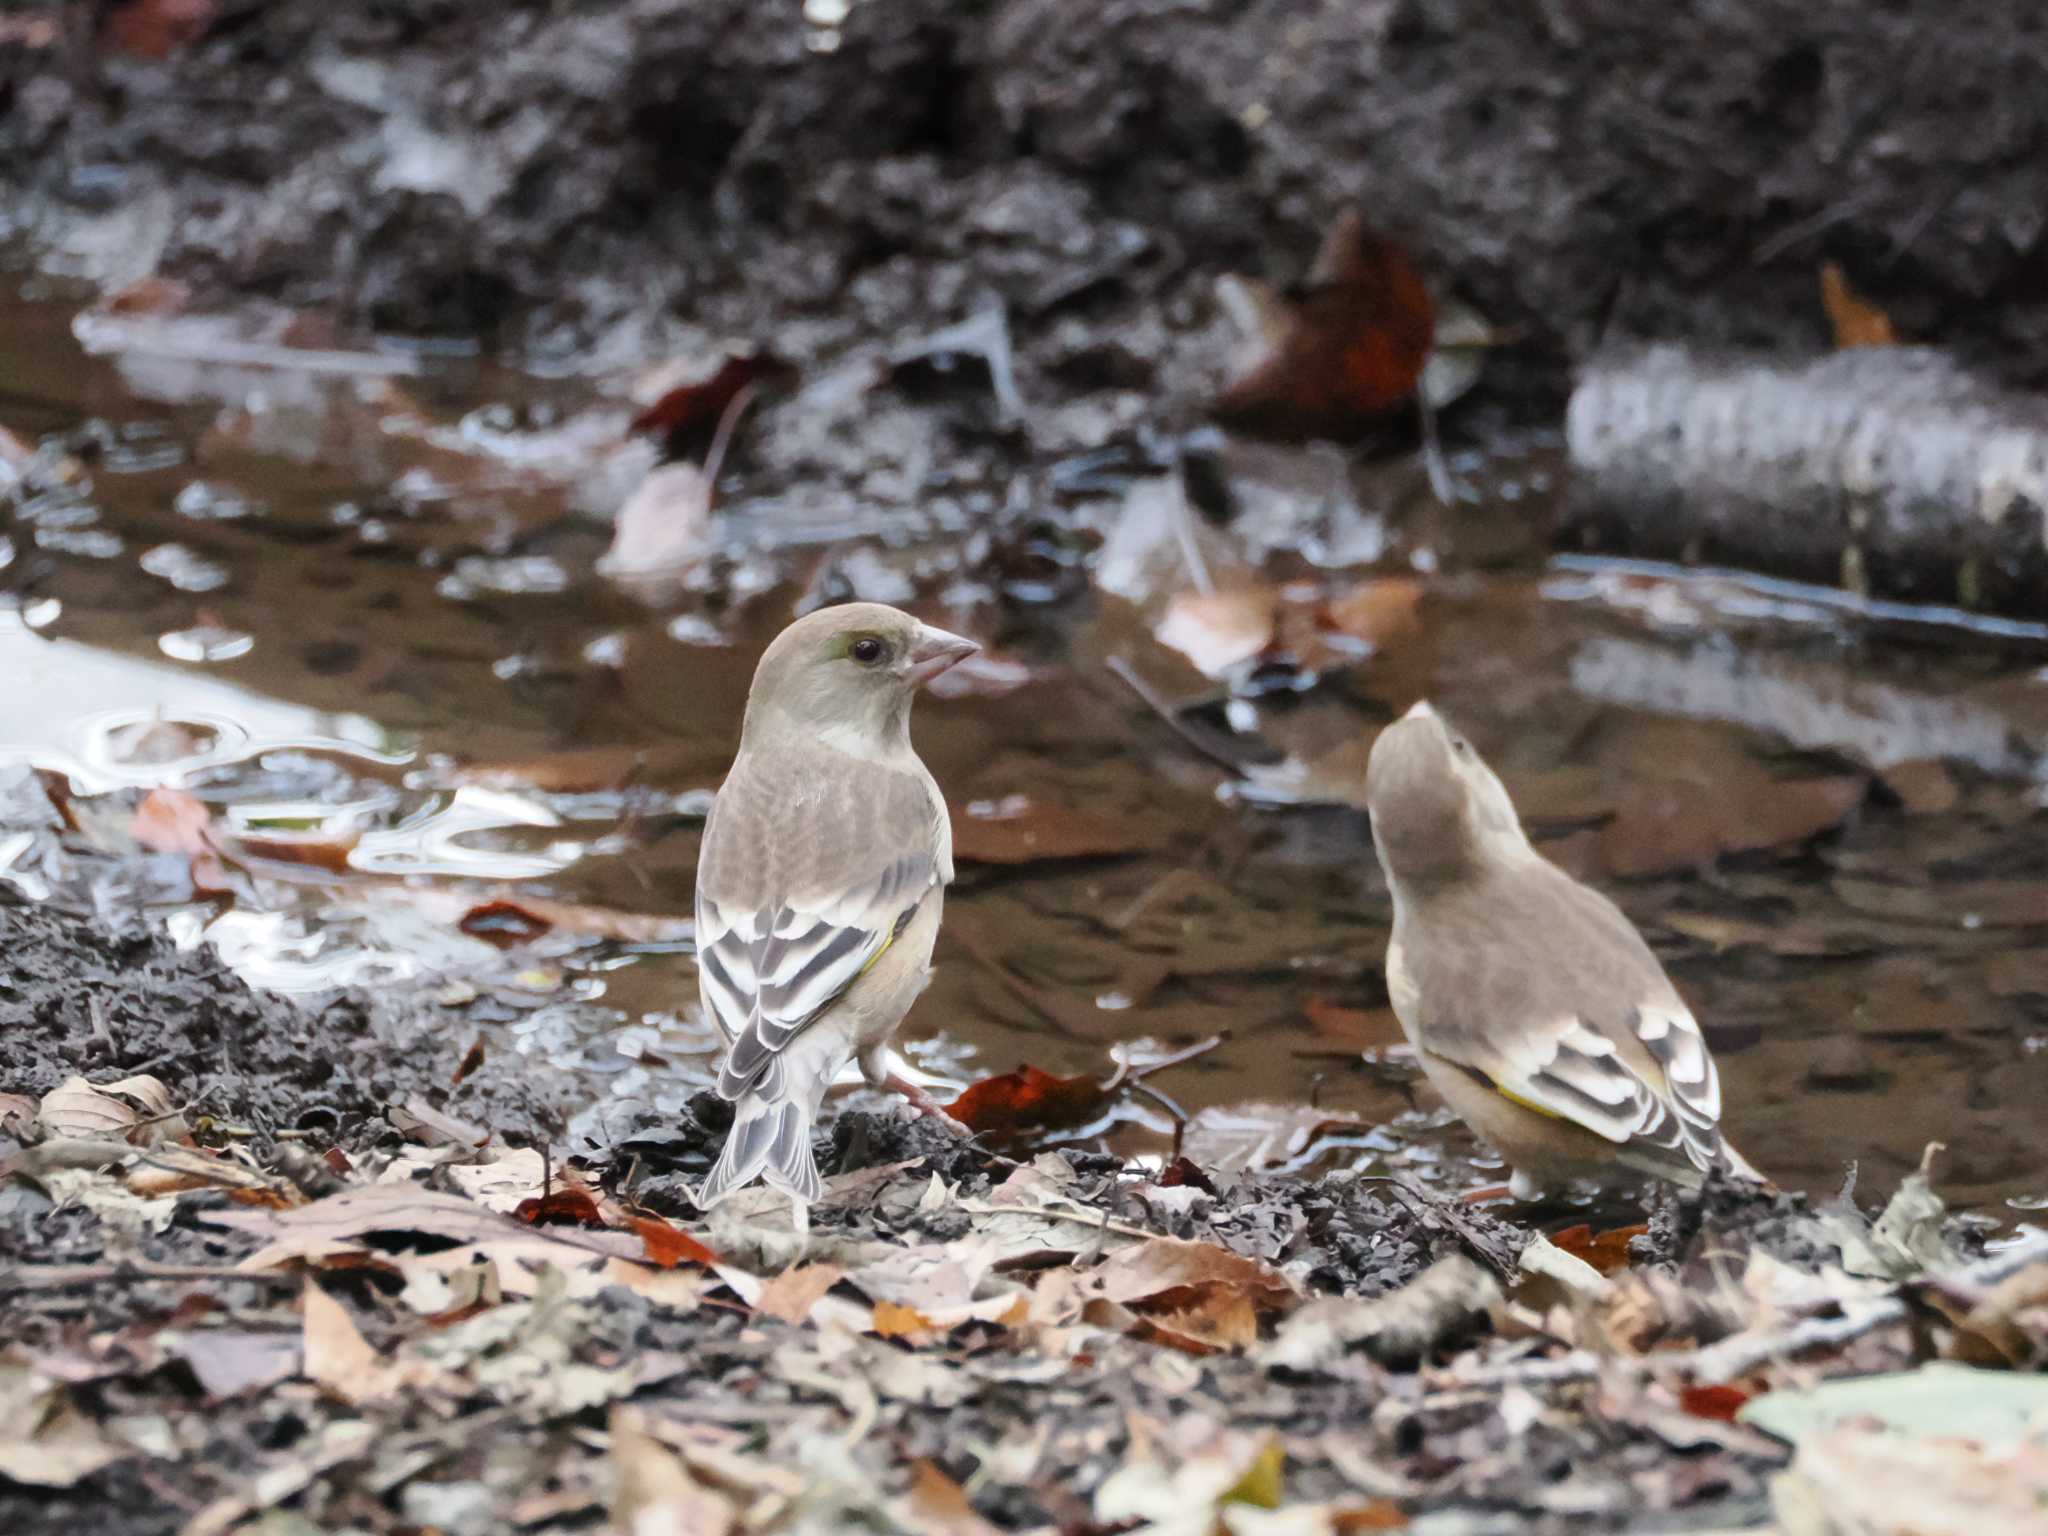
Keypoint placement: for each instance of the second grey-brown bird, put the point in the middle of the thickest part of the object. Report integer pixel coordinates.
(1536, 1009)
(824, 866)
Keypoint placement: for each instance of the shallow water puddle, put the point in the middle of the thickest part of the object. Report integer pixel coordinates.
(363, 629)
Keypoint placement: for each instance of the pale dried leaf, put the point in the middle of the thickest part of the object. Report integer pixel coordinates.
(44, 1440)
(79, 1108)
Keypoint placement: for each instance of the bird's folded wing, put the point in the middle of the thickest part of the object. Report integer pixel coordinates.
(1564, 1067)
(797, 896)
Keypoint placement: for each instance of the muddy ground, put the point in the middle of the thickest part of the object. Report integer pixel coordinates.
(328, 1383)
(555, 179)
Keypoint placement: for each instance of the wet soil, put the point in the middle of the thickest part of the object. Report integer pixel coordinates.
(1824, 815)
(634, 175)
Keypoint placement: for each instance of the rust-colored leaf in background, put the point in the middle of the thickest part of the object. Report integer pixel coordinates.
(503, 923)
(471, 1060)
(686, 417)
(1372, 1515)
(1605, 1251)
(156, 29)
(1714, 1401)
(565, 1205)
(895, 1321)
(176, 821)
(667, 1246)
(1346, 348)
(1027, 1100)
(1856, 321)
(1361, 1029)
(1020, 830)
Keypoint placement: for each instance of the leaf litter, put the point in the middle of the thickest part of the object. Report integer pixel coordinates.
(1192, 1353)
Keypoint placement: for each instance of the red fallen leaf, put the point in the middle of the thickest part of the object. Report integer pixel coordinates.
(1361, 1029)
(568, 1205)
(503, 923)
(155, 29)
(175, 821)
(1019, 830)
(669, 1246)
(1855, 321)
(1607, 1252)
(686, 417)
(320, 850)
(152, 295)
(1348, 347)
(1718, 1401)
(471, 1060)
(1182, 1171)
(1372, 1515)
(1026, 1100)
(337, 1161)
(893, 1321)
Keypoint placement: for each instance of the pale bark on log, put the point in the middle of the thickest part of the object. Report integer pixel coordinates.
(1887, 470)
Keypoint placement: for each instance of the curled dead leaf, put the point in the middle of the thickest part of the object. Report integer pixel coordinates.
(1856, 321)
(1347, 347)
(1027, 1100)
(120, 1110)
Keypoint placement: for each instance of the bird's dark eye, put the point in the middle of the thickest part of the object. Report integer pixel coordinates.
(1461, 746)
(867, 650)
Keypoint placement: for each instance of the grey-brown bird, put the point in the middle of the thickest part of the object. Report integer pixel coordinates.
(1535, 1007)
(824, 866)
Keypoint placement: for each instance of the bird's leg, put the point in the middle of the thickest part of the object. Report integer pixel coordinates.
(874, 1068)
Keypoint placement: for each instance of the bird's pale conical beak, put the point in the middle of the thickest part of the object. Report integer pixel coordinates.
(934, 651)
(1420, 711)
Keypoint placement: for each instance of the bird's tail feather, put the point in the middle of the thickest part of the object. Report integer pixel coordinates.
(770, 1139)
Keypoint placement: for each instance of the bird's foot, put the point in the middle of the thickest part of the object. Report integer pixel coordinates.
(1485, 1194)
(922, 1101)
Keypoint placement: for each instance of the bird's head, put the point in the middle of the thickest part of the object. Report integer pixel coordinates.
(1438, 812)
(847, 674)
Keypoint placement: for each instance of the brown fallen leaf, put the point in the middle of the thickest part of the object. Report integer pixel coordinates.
(156, 29)
(657, 1493)
(791, 1294)
(123, 1109)
(1352, 1029)
(686, 416)
(177, 821)
(1220, 1319)
(1715, 1400)
(892, 1320)
(334, 1353)
(503, 923)
(1856, 321)
(938, 1506)
(663, 528)
(1344, 349)
(1027, 1100)
(1606, 1251)
(1301, 626)
(1673, 825)
(1020, 830)
(668, 1245)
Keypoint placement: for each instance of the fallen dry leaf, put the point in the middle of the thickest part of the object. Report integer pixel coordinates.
(1027, 1100)
(1716, 1400)
(45, 1442)
(335, 1353)
(76, 1107)
(1669, 826)
(657, 1494)
(1856, 321)
(1347, 348)
(668, 1245)
(156, 29)
(506, 924)
(663, 528)
(895, 1321)
(1607, 1251)
(1352, 1029)
(176, 821)
(686, 416)
(938, 1506)
(791, 1294)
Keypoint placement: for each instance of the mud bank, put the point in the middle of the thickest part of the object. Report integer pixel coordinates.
(617, 175)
